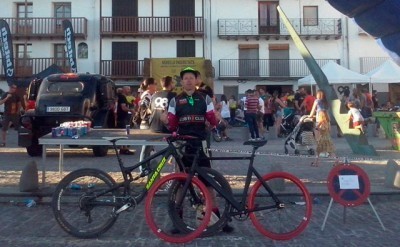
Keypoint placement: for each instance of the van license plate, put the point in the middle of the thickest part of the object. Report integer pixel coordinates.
(58, 109)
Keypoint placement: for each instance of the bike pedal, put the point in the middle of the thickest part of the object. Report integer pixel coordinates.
(123, 208)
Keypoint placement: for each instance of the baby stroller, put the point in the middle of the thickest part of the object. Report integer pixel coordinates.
(301, 139)
(289, 122)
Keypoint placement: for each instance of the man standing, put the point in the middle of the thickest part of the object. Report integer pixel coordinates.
(187, 114)
(159, 104)
(123, 112)
(308, 102)
(298, 100)
(12, 106)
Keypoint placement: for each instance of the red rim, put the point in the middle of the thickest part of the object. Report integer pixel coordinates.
(179, 238)
(306, 220)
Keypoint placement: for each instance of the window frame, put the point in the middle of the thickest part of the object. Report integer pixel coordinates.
(310, 21)
(185, 50)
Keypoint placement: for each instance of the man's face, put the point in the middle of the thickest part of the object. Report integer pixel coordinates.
(189, 82)
(13, 88)
(127, 90)
(302, 91)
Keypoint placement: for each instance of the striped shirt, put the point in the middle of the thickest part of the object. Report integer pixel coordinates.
(252, 104)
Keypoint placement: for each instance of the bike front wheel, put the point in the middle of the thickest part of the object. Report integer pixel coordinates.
(83, 204)
(194, 206)
(288, 215)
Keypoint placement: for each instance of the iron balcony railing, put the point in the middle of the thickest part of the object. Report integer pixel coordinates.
(265, 68)
(45, 27)
(135, 26)
(265, 27)
(122, 69)
(27, 67)
(369, 63)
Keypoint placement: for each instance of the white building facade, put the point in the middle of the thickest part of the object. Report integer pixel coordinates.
(246, 42)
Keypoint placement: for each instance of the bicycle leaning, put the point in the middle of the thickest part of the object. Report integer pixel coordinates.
(279, 205)
(87, 202)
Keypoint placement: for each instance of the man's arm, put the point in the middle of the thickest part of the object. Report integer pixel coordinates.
(2, 101)
(170, 118)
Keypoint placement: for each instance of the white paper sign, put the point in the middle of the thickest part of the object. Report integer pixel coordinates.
(347, 182)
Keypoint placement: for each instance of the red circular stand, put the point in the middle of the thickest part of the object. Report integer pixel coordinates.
(348, 197)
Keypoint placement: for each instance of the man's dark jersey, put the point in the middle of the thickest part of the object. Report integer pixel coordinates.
(190, 119)
(159, 103)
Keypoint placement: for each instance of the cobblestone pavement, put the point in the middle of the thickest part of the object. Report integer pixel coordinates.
(23, 226)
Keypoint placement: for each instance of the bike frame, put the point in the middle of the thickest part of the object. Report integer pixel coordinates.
(240, 206)
(171, 150)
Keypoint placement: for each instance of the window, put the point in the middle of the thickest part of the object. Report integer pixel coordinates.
(83, 50)
(310, 15)
(249, 60)
(186, 48)
(268, 18)
(62, 11)
(65, 87)
(60, 55)
(24, 53)
(24, 10)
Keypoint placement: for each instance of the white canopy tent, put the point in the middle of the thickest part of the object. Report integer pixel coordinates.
(388, 72)
(336, 74)
(384, 75)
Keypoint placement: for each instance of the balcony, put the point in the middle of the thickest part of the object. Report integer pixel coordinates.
(122, 69)
(27, 67)
(151, 26)
(45, 28)
(261, 69)
(255, 28)
(369, 63)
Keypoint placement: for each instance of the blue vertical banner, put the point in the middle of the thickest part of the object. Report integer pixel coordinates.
(7, 54)
(70, 44)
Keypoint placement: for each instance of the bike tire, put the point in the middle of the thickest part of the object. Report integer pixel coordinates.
(74, 209)
(222, 204)
(157, 207)
(288, 221)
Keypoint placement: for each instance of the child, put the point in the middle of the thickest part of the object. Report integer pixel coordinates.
(324, 141)
(357, 120)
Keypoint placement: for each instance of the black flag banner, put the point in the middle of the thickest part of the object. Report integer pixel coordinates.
(7, 54)
(70, 44)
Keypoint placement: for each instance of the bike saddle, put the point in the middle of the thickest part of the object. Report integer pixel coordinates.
(259, 143)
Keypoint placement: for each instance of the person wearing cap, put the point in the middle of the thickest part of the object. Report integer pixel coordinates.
(187, 114)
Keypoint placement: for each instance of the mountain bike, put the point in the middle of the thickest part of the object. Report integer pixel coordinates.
(87, 202)
(278, 204)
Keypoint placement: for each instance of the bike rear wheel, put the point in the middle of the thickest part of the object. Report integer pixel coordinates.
(195, 210)
(224, 207)
(77, 207)
(290, 216)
